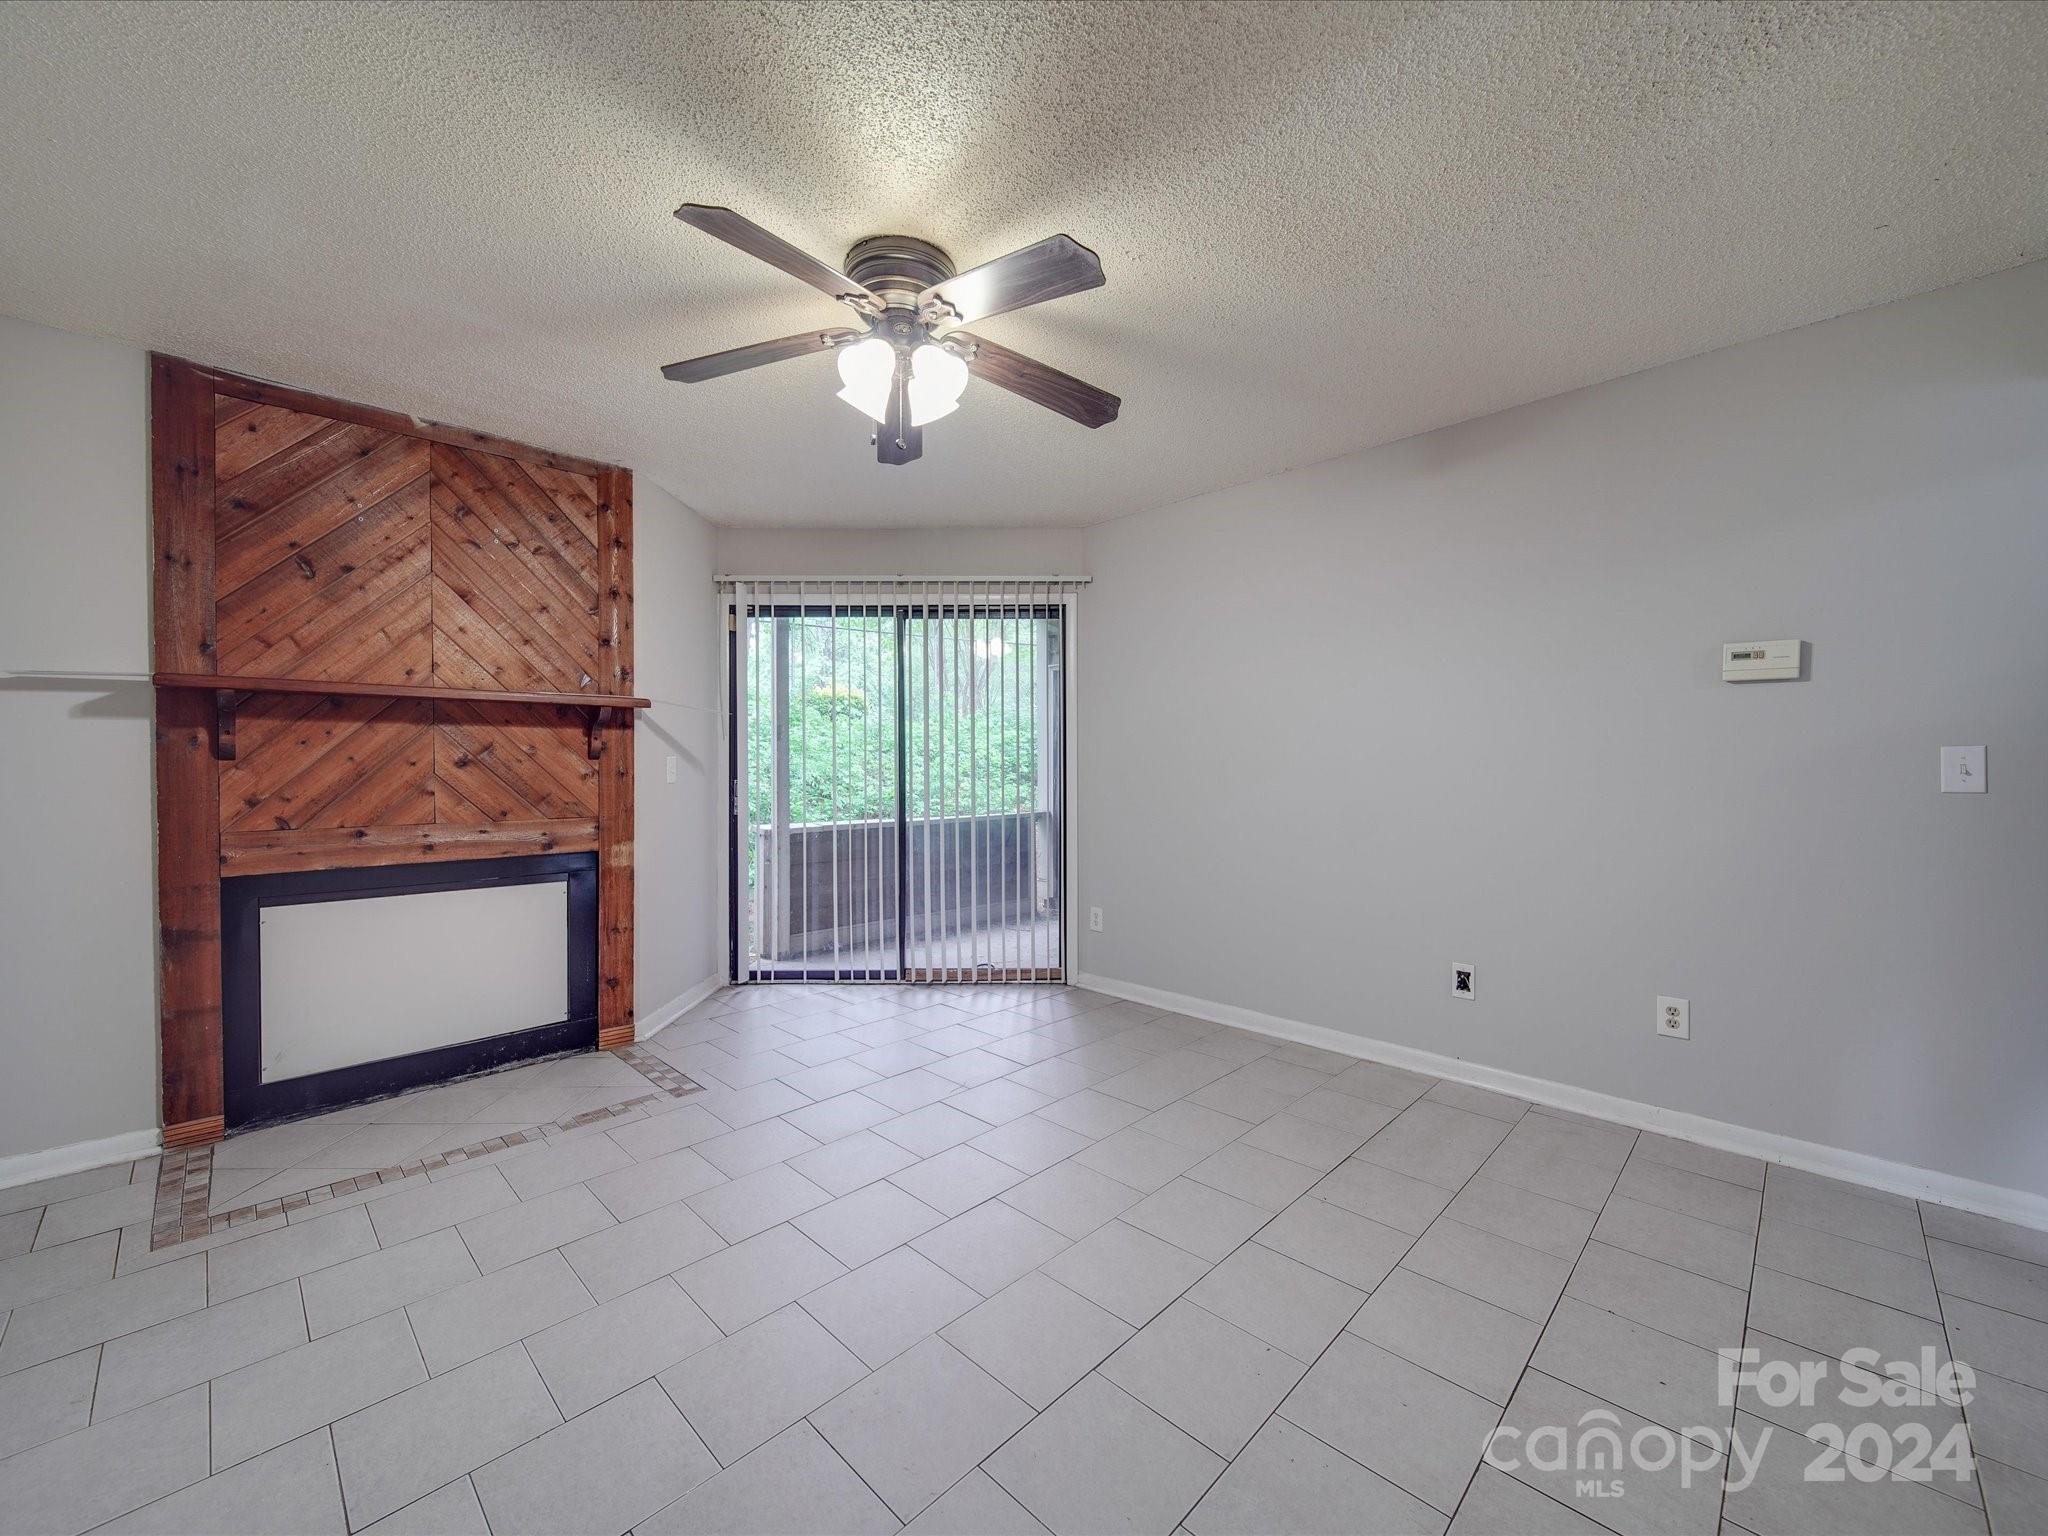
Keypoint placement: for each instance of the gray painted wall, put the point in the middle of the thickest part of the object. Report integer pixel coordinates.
(1457, 700)
(77, 876)
(679, 828)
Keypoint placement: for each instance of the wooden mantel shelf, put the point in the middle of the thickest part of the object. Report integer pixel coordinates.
(222, 681)
(232, 689)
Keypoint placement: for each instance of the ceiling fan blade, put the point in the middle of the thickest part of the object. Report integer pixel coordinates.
(736, 230)
(1055, 267)
(1040, 384)
(716, 364)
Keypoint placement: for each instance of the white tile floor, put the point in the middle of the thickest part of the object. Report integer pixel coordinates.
(994, 1261)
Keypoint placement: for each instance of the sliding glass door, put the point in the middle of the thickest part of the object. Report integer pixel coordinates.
(982, 781)
(899, 772)
(822, 806)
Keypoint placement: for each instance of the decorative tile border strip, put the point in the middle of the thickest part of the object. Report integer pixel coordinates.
(670, 1080)
(184, 1180)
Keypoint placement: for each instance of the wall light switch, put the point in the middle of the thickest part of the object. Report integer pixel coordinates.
(1962, 770)
(674, 767)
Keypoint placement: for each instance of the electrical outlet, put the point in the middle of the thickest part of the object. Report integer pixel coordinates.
(1463, 982)
(1674, 1018)
(674, 767)
(1095, 919)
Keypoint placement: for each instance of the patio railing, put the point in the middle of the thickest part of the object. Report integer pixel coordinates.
(837, 881)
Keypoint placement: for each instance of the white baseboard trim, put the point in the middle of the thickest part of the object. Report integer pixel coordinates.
(27, 1167)
(654, 1022)
(2015, 1205)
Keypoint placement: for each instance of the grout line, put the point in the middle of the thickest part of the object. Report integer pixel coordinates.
(1923, 1257)
(1988, 1306)
(1595, 1241)
(333, 1460)
(1643, 1199)
(1237, 1327)
(553, 1401)
(1758, 1264)
(683, 1413)
(1962, 1409)
(1694, 1173)
(1751, 1233)
(827, 1439)
(1748, 1303)
(1879, 1473)
(93, 1398)
(481, 1272)
(1996, 1253)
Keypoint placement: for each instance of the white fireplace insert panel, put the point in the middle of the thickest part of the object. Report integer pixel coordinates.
(345, 982)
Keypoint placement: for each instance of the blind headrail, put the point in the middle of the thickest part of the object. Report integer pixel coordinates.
(999, 582)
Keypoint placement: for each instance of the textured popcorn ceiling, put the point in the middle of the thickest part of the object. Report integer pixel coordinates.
(1324, 226)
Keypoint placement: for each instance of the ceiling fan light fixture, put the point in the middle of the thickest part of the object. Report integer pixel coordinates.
(867, 368)
(911, 365)
(937, 376)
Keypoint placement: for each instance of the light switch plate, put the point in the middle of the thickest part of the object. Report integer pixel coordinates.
(1962, 770)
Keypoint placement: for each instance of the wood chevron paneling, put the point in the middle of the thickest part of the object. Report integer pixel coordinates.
(246, 438)
(270, 853)
(512, 762)
(319, 541)
(274, 511)
(252, 392)
(515, 574)
(323, 552)
(340, 763)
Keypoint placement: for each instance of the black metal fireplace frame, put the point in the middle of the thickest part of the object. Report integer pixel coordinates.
(250, 1101)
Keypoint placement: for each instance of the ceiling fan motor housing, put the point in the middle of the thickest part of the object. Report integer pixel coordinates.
(898, 267)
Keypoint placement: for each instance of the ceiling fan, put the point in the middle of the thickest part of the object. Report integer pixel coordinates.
(907, 363)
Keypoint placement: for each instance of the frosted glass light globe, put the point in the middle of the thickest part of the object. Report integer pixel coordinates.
(867, 368)
(936, 379)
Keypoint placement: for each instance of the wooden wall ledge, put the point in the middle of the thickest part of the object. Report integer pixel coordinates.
(230, 690)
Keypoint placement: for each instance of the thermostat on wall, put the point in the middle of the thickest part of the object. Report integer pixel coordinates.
(1759, 661)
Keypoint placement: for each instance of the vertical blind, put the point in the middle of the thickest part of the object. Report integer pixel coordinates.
(899, 767)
